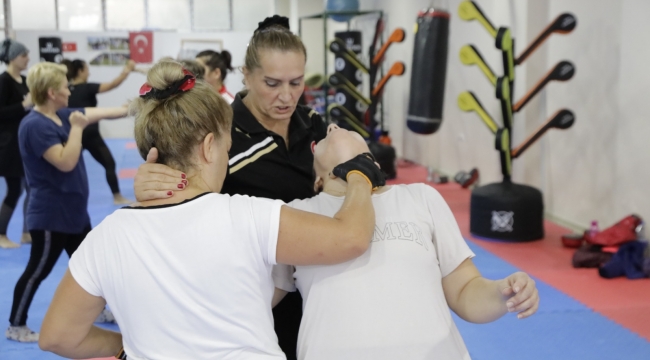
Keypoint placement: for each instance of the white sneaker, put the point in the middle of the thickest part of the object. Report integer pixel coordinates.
(106, 316)
(21, 334)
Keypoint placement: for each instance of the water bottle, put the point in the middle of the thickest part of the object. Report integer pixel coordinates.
(593, 229)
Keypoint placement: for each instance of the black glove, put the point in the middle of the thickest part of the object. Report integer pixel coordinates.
(364, 164)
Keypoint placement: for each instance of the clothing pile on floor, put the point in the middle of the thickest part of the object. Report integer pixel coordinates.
(620, 250)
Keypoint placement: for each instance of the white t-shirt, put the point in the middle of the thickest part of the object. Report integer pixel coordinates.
(187, 281)
(389, 302)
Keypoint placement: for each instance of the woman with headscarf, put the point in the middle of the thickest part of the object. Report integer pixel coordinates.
(15, 102)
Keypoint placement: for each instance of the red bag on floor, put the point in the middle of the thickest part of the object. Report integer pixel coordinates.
(617, 234)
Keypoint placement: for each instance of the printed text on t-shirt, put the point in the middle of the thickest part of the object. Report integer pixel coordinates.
(400, 230)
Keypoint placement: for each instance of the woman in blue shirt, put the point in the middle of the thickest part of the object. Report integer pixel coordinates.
(57, 218)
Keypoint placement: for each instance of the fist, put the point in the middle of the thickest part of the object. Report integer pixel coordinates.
(27, 101)
(78, 119)
(520, 294)
(130, 65)
(364, 163)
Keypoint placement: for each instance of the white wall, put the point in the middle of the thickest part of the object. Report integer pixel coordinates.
(165, 44)
(246, 15)
(598, 169)
(312, 34)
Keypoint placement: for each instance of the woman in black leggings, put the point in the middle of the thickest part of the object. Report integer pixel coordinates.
(15, 102)
(84, 94)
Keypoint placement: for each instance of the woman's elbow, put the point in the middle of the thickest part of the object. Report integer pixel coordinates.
(48, 341)
(67, 166)
(54, 337)
(358, 250)
(57, 343)
(358, 244)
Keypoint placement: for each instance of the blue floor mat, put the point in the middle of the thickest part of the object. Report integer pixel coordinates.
(562, 328)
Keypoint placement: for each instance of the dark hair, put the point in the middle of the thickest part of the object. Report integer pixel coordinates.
(273, 33)
(74, 67)
(5, 51)
(217, 60)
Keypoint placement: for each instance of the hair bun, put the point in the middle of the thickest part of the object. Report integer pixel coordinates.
(4, 51)
(278, 20)
(227, 59)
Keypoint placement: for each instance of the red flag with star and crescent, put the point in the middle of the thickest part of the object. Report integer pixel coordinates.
(141, 46)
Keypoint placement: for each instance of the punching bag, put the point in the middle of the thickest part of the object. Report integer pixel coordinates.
(429, 71)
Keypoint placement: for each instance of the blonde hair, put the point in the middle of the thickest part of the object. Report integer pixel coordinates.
(194, 67)
(274, 37)
(177, 124)
(43, 77)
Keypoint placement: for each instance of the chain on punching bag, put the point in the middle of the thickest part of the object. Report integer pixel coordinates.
(429, 71)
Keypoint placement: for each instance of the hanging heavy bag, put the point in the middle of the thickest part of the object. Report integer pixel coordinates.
(428, 72)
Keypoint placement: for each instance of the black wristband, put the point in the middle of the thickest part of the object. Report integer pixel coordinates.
(364, 163)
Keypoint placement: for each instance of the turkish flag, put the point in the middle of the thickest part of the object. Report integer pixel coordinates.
(69, 47)
(141, 46)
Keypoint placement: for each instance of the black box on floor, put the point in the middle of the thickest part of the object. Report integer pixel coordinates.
(507, 211)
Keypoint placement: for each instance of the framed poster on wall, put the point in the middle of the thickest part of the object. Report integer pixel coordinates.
(113, 51)
(191, 47)
(50, 49)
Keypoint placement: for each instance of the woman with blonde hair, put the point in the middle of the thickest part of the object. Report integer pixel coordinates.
(189, 277)
(57, 216)
(195, 67)
(272, 137)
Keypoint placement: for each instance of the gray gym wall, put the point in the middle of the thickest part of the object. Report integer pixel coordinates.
(599, 168)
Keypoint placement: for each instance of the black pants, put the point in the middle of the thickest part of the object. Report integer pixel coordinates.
(287, 315)
(15, 187)
(46, 248)
(93, 142)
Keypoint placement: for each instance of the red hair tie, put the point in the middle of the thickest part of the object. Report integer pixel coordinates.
(182, 85)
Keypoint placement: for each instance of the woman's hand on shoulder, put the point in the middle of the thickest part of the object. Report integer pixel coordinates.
(157, 181)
